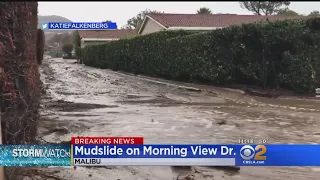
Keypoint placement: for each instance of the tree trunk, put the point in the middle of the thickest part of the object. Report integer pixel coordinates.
(1, 168)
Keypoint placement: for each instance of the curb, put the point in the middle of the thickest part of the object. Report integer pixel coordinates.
(145, 78)
(189, 88)
(210, 89)
(169, 84)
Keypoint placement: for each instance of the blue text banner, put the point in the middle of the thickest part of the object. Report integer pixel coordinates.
(238, 155)
(78, 26)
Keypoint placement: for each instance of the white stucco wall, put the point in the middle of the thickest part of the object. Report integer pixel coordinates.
(93, 41)
(86, 43)
(151, 27)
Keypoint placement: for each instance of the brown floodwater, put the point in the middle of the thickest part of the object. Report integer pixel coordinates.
(85, 101)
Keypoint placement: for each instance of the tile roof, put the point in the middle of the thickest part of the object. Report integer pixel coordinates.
(107, 33)
(209, 20)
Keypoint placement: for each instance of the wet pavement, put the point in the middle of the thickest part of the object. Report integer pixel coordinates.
(85, 101)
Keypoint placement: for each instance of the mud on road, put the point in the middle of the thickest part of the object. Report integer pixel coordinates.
(84, 101)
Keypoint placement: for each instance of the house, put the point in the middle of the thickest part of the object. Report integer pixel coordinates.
(155, 22)
(103, 36)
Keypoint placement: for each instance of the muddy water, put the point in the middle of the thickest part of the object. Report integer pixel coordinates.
(86, 101)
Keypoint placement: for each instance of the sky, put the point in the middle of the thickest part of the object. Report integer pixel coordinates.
(120, 12)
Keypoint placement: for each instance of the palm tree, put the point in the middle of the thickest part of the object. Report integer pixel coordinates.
(204, 10)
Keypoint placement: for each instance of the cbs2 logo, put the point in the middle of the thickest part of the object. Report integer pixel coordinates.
(247, 152)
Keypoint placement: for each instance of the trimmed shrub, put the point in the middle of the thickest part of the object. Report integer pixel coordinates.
(280, 54)
(136, 55)
(67, 49)
(69, 57)
(128, 37)
(55, 54)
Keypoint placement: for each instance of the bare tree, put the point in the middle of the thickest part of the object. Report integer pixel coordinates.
(264, 7)
(287, 12)
(135, 22)
(314, 13)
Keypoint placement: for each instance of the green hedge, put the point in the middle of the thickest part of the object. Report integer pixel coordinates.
(131, 55)
(56, 54)
(281, 54)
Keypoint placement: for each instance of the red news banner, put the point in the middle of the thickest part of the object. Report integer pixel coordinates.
(107, 140)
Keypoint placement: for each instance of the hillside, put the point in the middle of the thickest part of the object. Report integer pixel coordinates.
(52, 18)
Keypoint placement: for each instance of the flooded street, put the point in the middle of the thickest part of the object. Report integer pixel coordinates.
(84, 101)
